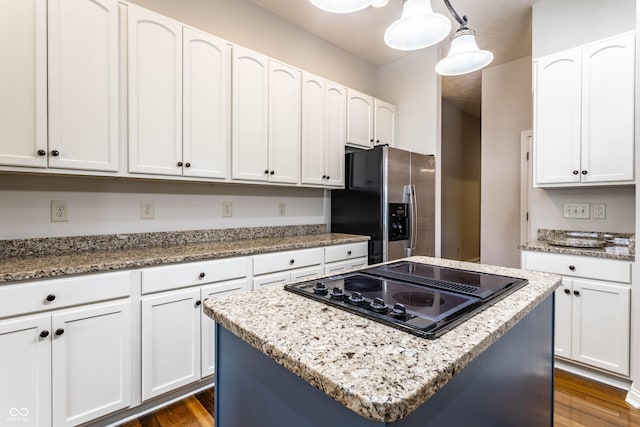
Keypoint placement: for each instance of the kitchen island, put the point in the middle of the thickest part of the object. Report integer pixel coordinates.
(283, 359)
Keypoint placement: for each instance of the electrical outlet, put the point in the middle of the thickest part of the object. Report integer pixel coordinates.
(147, 210)
(281, 209)
(576, 210)
(227, 209)
(59, 211)
(598, 211)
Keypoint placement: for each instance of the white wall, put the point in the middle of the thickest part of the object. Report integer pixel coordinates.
(105, 206)
(559, 25)
(634, 394)
(545, 209)
(506, 112)
(460, 152)
(412, 84)
(248, 25)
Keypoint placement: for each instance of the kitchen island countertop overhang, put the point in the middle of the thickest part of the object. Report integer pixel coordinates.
(389, 373)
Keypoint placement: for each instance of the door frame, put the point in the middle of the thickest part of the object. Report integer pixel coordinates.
(526, 176)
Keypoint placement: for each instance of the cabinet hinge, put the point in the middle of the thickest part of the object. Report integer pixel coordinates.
(527, 216)
(527, 156)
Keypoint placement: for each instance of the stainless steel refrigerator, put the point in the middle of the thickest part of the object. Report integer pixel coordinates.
(389, 195)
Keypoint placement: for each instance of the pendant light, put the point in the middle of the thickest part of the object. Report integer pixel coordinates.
(464, 55)
(346, 6)
(418, 27)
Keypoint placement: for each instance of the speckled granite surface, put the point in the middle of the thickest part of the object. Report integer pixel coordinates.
(316, 342)
(112, 242)
(38, 267)
(619, 246)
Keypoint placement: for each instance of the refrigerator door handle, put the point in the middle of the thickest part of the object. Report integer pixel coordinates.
(414, 220)
(410, 199)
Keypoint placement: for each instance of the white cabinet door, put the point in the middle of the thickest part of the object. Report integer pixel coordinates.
(557, 105)
(170, 341)
(208, 342)
(284, 123)
(359, 119)
(563, 318)
(608, 97)
(313, 130)
(207, 105)
(155, 93)
(25, 371)
(91, 364)
(272, 279)
(386, 123)
(83, 84)
(601, 317)
(23, 83)
(335, 133)
(249, 147)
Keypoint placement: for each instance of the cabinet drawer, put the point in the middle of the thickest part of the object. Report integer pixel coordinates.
(24, 298)
(288, 260)
(344, 252)
(194, 273)
(578, 266)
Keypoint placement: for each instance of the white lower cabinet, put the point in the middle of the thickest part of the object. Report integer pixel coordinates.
(280, 268)
(170, 341)
(177, 337)
(342, 258)
(67, 368)
(592, 315)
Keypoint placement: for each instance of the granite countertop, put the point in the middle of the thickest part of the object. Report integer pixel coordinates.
(293, 331)
(45, 266)
(620, 246)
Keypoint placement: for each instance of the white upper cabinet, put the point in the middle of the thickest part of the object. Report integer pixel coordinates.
(207, 105)
(81, 131)
(284, 123)
(386, 123)
(83, 84)
(335, 133)
(266, 119)
(23, 84)
(584, 114)
(359, 119)
(250, 152)
(608, 97)
(323, 131)
(155, 93)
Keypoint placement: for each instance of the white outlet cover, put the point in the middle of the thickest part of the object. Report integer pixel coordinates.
(147, 210)
(59, 211)
(227, 209)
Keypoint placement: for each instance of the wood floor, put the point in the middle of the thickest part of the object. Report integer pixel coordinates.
(578, 402)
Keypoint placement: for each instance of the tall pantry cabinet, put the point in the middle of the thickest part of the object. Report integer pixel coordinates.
(61, 73)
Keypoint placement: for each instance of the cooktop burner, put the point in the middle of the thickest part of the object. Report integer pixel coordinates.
(423, 299)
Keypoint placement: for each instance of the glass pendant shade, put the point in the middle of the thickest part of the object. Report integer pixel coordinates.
(342, 6)
(418, 27)
(464, 56)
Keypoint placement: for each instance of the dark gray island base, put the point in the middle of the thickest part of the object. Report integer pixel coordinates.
(508, 384)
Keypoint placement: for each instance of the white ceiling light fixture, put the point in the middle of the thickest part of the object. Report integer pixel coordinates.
(420, 27)
(464, 55)
(346, 6)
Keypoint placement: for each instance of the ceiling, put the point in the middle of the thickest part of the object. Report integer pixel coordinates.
(502, 26)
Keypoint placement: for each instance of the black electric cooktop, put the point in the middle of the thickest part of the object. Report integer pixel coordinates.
(422, 299)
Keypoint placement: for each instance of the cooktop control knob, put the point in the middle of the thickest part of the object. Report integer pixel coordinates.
(337, 293)
(379, 306)
(399, 311)
(356, 298)
(320, 289)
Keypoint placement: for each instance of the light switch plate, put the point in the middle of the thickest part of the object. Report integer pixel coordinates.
(576, 210)
(227, 209)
